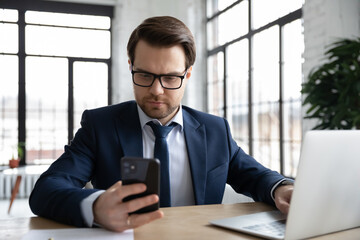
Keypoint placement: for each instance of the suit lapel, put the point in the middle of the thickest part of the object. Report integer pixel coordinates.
(129, 131)
(130, 136)
(195, 136)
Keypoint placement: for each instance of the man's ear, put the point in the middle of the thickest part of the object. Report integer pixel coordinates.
(130, 65)
(188, 73)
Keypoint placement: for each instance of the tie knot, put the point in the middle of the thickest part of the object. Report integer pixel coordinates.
(161, 131)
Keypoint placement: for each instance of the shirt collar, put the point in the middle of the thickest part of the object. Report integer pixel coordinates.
(178, 118)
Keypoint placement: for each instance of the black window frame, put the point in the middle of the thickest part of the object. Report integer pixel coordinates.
(280, 22)
(56, 7)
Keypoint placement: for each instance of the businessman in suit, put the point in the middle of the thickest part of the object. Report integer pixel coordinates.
(202, 156)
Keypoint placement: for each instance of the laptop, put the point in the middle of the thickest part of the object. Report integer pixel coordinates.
(326, 195)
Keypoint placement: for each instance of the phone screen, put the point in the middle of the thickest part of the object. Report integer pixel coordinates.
(142, 170)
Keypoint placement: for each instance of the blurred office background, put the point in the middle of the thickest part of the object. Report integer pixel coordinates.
(58, 58)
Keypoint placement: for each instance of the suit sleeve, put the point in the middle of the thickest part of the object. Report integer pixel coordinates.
(249, 177)
(59, 191)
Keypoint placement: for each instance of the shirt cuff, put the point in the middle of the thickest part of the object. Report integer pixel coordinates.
(272, 192)
(86, 206)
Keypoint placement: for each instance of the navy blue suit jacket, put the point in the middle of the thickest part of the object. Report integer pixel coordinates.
(111, 132)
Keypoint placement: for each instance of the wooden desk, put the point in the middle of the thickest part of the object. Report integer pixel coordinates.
(178, 223)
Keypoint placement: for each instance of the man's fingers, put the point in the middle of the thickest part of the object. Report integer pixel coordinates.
(283, 206)
(122, 191)
(283, 197)
(111, 212)
(137, 220)
(139, 203)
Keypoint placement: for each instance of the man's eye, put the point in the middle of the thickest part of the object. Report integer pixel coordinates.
(145, 75)
(169, 78)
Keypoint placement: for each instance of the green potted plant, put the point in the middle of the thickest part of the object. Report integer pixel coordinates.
(14, 162)
(333, 89)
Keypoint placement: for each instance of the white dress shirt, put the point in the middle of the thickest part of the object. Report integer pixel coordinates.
(181, 188)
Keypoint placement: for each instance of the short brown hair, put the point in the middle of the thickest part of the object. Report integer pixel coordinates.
(163, 31)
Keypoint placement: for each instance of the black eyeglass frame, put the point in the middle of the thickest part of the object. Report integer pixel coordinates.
(155, 76)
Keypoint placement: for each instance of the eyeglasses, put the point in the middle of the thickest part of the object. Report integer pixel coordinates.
(167, 81)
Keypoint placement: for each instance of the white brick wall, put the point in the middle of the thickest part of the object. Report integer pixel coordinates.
(325, 21)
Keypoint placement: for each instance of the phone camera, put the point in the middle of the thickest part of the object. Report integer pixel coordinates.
(133, 168)
(130, 167)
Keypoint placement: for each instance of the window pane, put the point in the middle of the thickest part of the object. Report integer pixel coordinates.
(65, 19)
(292, 136)
(67, 42)
(238, 73)
(213, 6)
(240, 126)
(90, 88)
(216, 84)
(9, 44)
(8, 15)
(237, 91)
(292, 64)
(266, 134)
(8, 107)
(46, 108)
(293, 49)
(212, 33)
(265, 98)
(265, 11)
(266, 66)
(224, 4)
(222, 29)
(233, 23)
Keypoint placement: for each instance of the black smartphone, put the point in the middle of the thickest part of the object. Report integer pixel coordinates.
(142, 170)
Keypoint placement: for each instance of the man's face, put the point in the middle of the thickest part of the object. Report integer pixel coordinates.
(156, 101)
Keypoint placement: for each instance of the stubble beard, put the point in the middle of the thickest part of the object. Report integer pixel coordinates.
(159, 113)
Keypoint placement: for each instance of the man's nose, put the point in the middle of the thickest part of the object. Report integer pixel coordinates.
(156, 87)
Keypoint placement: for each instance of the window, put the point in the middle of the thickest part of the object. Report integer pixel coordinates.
(254, 76)
(238, 93)
(9, 64)
(55, 63)
(46, 107)
(90, 87)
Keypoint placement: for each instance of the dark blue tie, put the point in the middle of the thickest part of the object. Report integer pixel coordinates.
(161, 152)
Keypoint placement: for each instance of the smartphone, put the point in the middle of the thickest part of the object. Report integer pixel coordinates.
(142, 170)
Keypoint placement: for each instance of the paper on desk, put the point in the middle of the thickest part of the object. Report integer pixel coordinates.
(78, 233)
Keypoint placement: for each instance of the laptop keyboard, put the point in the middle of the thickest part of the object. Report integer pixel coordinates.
(276, 228)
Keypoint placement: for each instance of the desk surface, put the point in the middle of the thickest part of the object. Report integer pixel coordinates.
(179, 223)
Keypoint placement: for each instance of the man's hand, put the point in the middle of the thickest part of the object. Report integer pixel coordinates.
(113, 214)
(282, 197)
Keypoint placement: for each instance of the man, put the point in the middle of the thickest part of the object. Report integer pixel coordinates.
(203, 157)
